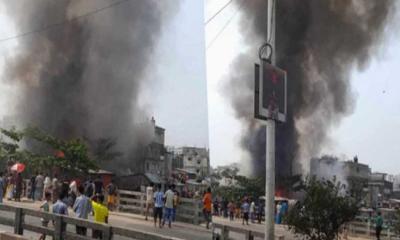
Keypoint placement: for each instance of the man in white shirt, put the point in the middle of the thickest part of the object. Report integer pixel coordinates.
(252, 211)
(169, 205)
(149, 198)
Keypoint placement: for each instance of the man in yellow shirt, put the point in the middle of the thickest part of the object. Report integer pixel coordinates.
(100, 214)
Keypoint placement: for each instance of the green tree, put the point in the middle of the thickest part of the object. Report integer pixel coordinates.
(322, 212)
(397, 223)
(75, 151)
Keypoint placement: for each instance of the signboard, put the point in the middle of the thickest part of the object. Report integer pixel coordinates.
(270, 92)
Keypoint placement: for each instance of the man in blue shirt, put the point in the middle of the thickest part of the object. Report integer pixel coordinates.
(61, 208)
(82, 208)
(158, 205)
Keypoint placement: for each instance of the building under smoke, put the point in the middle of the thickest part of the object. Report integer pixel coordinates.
(318, 43)
(81, 71)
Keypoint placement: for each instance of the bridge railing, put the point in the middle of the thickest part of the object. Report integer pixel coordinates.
(224, 232)
(188, 210)
(362, 229)
(59, 230)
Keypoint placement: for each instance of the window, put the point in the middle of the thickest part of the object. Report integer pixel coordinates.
(198, 161)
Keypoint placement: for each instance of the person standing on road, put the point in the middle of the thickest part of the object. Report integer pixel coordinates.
(89, 188)
(39, 187)
(98, 186)
(10, 186)
(111, 195)
(47, 185)
(231, 207)
(207, 202)
(100, 215)
(18, 187)
(245, 210)
(278, 217)
(176, 203)
(46, 208)
(61, 208)
(149, 198)
(82, 207)
(158, 206)
(55, 188)
(32, 183)
(169, 206)
(2, 183)
(252, 211)
(379, 224)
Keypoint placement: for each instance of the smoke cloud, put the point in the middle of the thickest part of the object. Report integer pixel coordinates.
(84, 77)
(318, 43)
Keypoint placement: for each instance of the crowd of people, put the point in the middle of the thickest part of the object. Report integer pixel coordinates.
(247, 209)
(163, 204)
(58, 196)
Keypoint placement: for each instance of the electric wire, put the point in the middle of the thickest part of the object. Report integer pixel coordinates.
(59, 24)
(218, 12)
(225, 26)
(272, 21)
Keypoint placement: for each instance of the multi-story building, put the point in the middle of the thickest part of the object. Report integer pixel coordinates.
(353, 174)
(155, 157)
(396, 186)
(380, 188)
(193, 159)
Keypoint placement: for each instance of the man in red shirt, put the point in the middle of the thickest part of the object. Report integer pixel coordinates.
(207, 200)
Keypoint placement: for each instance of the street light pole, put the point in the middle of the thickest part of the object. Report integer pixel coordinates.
(270, 143)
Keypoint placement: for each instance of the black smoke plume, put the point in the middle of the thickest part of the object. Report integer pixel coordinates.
(83, 77)
(318, 43)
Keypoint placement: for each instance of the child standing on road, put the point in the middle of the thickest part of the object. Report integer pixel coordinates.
(46, 208)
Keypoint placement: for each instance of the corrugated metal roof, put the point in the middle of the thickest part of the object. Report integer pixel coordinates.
(153, 177)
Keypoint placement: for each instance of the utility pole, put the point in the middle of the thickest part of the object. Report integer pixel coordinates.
(270, 142)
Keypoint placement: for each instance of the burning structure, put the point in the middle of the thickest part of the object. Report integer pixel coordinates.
(318, 43)
(81, 71)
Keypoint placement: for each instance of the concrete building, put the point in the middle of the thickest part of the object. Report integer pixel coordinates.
(193, 159)
(380, 189)
(354, 175)
(396, 186)
(155, 157)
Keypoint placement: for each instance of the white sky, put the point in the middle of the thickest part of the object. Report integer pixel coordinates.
(372, 132)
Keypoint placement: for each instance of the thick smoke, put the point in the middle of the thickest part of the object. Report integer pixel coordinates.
(83, 77)
(318, 43)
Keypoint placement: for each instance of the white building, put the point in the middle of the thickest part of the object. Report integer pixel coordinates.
(195, 159)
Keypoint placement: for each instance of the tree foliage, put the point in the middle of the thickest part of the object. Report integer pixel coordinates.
(322, 212)
(397, 223)
(75, 152)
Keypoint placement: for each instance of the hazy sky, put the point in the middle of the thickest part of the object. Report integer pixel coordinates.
(177, 98)
(373, 130)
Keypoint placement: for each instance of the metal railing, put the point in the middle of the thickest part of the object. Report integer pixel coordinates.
(60, 232)
(188, 210)
(223, 232)
(360, 229)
